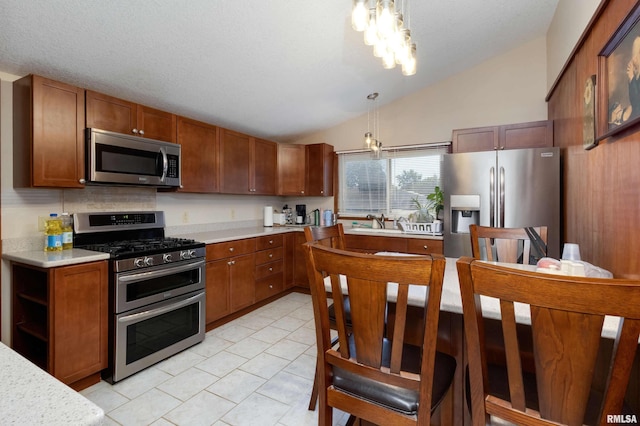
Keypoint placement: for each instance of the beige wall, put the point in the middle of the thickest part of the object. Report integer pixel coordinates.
(506, 89)
(568, 24)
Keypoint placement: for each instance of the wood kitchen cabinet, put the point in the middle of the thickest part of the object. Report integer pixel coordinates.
(291, 169)
(60, 319)
(535, 134)
(48, 134)
(300, 276)
(247, 165)
(118, 115)
(269, 266)
(199, 155)
(319, 173)
(374, 244)
(230, 277)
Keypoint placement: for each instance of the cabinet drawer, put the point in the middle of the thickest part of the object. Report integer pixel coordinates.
(375, 244)
(267, 269)
(231, 248)
(271, 286)
(424, 246)
(264, 243)
(266, 256)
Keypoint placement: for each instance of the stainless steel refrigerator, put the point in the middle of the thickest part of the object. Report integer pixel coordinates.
(508, 189)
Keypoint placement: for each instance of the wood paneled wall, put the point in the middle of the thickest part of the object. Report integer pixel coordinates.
(601, 187)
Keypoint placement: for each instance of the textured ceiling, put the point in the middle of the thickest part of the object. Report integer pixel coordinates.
(277, 69)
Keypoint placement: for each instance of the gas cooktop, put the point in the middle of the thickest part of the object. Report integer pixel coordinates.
(145, 246)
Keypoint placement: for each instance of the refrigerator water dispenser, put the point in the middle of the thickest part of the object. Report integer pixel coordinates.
(465, 211)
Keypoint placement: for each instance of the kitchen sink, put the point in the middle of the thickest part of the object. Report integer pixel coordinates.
(376, 231)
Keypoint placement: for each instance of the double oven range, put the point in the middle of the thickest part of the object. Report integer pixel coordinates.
(156, 287)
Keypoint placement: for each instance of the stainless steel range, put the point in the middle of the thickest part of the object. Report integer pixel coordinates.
(156, 287)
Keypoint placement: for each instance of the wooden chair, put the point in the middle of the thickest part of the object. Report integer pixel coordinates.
(567, 315)
(331, 236)
(379, 380)
(507, 245)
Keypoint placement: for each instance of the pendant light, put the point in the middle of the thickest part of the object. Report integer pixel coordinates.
(371, 141)
(386, 29)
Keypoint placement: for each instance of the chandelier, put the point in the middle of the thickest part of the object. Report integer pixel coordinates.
(384, 29)
(371, 138)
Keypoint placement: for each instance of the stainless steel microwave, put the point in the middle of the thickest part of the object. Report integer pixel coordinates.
(119, 159)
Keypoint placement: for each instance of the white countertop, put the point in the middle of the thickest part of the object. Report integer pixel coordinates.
(44, 259)
(54, 259)
(30, 396)
(210, 237)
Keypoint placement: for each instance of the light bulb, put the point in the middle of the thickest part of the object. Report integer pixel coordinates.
(409, 67)
(368, 138)
(385, 18)
(359, 15)
(380, 48)
(403, 52)
(388, 59)
(371, 32)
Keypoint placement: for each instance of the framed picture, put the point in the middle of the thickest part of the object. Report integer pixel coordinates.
(619, 78)
(589, 114)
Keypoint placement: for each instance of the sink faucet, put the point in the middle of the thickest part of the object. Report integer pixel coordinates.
(380, 221)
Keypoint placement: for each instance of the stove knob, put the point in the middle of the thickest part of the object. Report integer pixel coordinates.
(139, 262)
(192, 254)
(184, 254)
(148, 261)
(166, 258)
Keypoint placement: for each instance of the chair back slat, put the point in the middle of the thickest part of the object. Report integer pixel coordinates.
(564, 376)
(512, 349)
(567, 316)
(330, 236)
(368, 307)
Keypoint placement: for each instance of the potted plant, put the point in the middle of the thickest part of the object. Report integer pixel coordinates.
(421, 215)
(436, 202)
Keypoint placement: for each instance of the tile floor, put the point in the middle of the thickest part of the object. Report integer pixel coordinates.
(255, 370)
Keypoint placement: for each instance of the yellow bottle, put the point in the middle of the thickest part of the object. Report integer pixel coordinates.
(53, 233)
(67, 232)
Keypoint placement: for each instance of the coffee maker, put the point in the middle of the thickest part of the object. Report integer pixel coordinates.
(301, 214)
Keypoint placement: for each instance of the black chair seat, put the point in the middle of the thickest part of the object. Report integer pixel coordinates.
(393, 397)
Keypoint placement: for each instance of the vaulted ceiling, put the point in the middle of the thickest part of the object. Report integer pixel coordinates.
(277, 69)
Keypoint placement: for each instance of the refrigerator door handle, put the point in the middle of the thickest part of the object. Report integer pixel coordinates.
(501, 195)
(492, 197)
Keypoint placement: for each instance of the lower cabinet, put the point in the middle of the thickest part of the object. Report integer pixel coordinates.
(230, 277)
(60, 319)
(374, 244)
(269, 266)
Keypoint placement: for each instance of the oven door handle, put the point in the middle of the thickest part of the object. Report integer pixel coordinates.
(159, 311)
(161, 273)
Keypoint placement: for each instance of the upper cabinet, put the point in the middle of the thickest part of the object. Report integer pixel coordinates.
(48, 134)
(535, 134)
(291, 169)
(247, 165)
(199, 155)
(117, 115)
(319, 174)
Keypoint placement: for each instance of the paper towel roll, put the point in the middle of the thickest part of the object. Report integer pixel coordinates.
(268, 216)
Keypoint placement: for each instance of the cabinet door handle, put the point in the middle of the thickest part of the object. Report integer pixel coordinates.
(270, 241)
(141, 132)
(134, 131)
(270, 269)
(231, 249)
(270, 255)
(231, 262)
(425, 246)
(82, 181)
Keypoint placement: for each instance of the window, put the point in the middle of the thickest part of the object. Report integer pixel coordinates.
(391, 184)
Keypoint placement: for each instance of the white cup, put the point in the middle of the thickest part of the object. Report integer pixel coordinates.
(571, 251)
